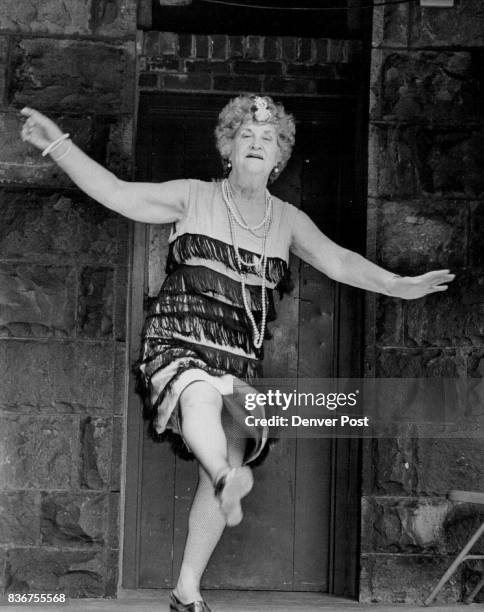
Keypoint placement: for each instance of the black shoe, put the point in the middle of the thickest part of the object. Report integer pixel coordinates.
(196, 606)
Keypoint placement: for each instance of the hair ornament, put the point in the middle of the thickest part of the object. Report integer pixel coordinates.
(259, 109)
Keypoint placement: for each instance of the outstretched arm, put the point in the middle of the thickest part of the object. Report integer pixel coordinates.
(146, 202)
(348, 267)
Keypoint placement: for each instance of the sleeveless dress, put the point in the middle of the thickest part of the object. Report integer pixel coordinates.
(197, 327)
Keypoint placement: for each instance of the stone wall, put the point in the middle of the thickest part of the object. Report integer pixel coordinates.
(63, 282)
(426, 205)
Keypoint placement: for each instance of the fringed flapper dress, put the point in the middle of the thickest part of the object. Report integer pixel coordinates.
(197, 327)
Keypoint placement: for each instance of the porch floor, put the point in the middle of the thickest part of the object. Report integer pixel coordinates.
(236, 601)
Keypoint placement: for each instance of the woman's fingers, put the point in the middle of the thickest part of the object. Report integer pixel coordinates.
(436, 277)
(38, 129)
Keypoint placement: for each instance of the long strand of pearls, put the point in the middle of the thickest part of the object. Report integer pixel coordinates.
(258, 335)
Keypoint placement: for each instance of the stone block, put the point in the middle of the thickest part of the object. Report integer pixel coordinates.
(476, 235)
(64, 377)
(95, 303)
(462, 26)
(290, 48)
(389, 467)
(201, 45)
(185, 45)
(106, 139)
(416, 236)
(429, 392)
(73, 519)
(321, 50)
(413, 525)
(453, 318)
(19, 518)
(272, 48)
(95, 452)
(389, 322)
(420, 363)
(115, 18)
(51, 227)
(410, 161)
(236, 46)
(78, 573)
(253, 47)
(74, 76)
(405, 579)
(219, 46)
(36, 300)
(35, 452)
(390, 25)
(431, 86)
(452, 463)
(307, 51)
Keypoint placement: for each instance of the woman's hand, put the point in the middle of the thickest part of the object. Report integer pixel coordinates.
(39, 130)
(413, 287)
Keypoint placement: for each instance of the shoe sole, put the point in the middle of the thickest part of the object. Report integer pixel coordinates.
(238, 485)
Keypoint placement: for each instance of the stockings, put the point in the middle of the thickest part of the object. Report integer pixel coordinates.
(206, 522)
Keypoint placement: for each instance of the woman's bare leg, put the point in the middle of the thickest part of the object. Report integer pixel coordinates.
(206, 437)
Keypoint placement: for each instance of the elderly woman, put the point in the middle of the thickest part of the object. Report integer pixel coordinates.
(228, 250)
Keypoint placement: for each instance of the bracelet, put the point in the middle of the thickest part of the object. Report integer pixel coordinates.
(69, 145)
(54, 144)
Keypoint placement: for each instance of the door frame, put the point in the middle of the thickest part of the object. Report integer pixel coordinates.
(346, 453)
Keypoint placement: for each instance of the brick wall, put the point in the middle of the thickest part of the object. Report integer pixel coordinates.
(234, 64)
(426, 205)
(63, 279)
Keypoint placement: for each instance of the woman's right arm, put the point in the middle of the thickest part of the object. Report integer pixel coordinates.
(145, 202)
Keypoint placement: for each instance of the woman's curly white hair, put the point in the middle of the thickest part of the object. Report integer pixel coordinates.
(263, 109)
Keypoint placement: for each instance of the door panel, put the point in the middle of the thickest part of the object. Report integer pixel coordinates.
(285, 540)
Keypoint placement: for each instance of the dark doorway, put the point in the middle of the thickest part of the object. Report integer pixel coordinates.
(301, 526)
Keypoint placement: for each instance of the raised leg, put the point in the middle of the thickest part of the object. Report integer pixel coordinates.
(201, 406)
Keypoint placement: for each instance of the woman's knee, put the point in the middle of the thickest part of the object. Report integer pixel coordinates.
(200, 397)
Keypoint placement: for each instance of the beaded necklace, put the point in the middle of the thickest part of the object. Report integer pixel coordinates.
(260, 265)
(243, 222)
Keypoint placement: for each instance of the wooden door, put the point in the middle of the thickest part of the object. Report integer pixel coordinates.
(287, 540)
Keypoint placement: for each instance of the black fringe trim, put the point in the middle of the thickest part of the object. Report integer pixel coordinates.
(205, 307)
(201, 280)
(156, 354)
(198, 245)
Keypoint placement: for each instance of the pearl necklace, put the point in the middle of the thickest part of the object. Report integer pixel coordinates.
(242, 223)
(258, 335)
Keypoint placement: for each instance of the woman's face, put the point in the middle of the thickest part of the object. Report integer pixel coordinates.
(255, 149)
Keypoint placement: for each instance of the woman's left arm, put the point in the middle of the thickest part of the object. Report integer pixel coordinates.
(348, 267)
